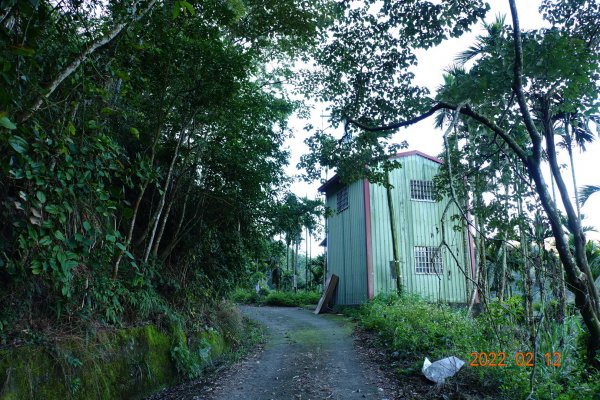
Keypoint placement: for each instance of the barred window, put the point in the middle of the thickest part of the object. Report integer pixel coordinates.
(421, 190)
(428, 260)
(342, 200)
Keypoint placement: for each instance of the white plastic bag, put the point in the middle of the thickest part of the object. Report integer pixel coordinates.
(439, 370)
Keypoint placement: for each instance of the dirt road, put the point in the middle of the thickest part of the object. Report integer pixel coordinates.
(306, 357)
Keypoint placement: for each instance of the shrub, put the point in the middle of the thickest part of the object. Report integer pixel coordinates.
(410, 324)
(290, 299)
(230, 321)
(415, 329)
(244, 296)
(284, 299)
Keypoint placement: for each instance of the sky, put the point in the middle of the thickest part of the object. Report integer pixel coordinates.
(424, 137)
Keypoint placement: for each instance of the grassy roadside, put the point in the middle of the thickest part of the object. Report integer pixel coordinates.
(409, 329)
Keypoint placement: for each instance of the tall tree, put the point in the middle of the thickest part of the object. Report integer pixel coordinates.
(520, 86)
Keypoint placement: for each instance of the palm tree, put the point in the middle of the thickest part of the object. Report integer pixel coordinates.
(586, 192)
(576, 131)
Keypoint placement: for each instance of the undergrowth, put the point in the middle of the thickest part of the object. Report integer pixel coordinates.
(412, 329)
(274, 298)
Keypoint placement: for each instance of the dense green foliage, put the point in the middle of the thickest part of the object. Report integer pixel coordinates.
(140, 153)
(275, 298)
(413, 329)
(141, 165)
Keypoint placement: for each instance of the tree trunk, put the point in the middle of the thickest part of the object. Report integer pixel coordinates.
(163, 223)
(577, 270)
(142, 190)
(526, 270)
(170, 246)
(166, 188)
(503, 269)
(483, 276)
(480, 248)
(394, 233)
(569, 142)
(189, 225)
(74, 65)
(306, 261)
(575, 190)
(295, 275)
(541, 275)
(576, 279)
(573, 221)
(562, 294)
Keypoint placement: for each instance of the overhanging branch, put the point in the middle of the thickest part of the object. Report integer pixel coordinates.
(464, 110)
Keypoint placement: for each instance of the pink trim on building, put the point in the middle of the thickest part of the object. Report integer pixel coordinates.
(368, 239)
(335, 179)
(418, 153)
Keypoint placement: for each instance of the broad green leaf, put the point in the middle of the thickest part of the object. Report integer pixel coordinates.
(53, 209)
(45, 241)
(19, 144)
(111, 238)
(189, 7)
(59, 235)
(176, 9)
(71, 129)
(121, 246)
(7, 123)
(41, 196)
(61, 257)
(86, 226)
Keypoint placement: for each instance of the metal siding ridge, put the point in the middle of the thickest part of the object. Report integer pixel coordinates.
(368, 238)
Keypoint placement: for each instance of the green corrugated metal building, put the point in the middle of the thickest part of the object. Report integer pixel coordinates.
(359, 240)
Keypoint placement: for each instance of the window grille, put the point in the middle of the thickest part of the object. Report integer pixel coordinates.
(421, 190)
(428, 260)
(342, 200)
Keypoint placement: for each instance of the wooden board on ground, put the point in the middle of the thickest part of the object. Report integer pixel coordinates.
(330, 286)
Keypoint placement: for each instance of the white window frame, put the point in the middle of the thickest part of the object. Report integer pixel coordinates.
(428, 260)
(342, 201)
(421, 190)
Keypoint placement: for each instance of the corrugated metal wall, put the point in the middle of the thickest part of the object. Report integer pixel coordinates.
(346, 246)
(418, 225)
